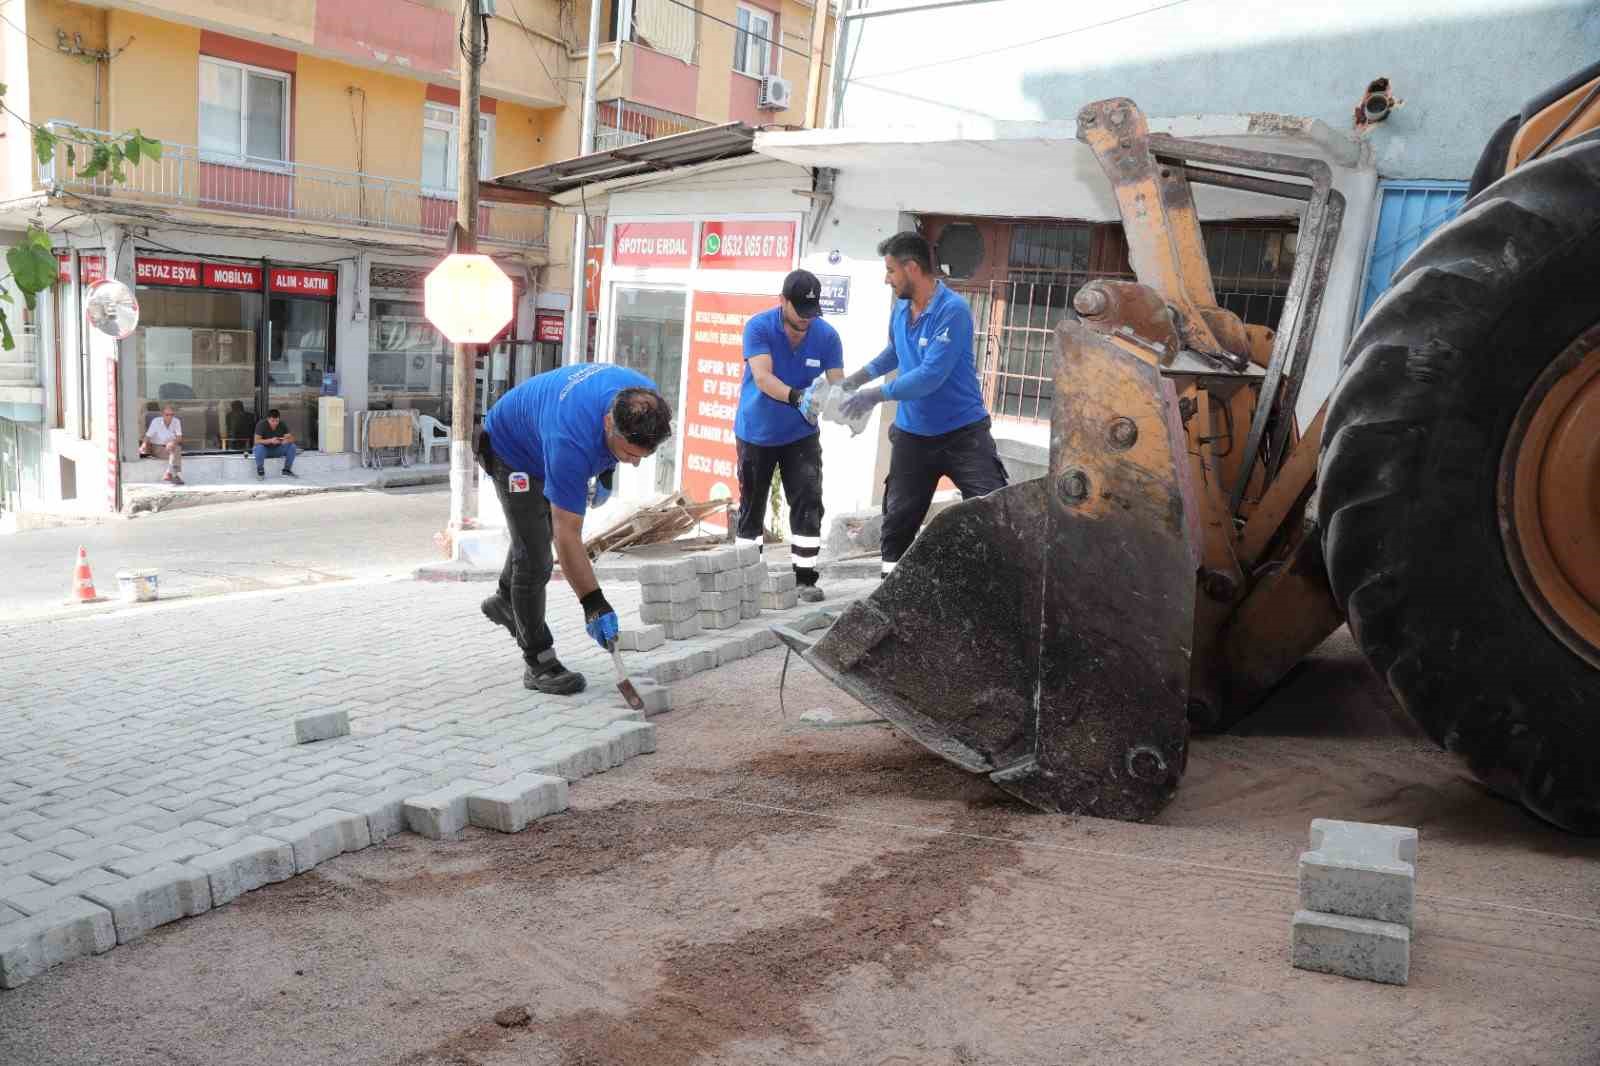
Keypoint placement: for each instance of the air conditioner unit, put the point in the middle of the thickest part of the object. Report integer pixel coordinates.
(775, 93)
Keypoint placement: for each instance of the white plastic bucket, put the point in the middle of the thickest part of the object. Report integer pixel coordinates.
(138, 586)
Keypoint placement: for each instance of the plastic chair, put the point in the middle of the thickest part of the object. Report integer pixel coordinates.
(434, 434)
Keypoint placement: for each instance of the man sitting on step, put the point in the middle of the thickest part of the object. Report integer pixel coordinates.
(273, 440)
(164, 439)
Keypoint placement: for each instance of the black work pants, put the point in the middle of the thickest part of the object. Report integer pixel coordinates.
(799, 463)
(529, 562)
(966, 456)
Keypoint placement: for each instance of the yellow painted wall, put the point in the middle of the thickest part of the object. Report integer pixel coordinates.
(62, 86)
(281, 21)
(716, 60)
(327, 117)
(518, 133)
(155, 82)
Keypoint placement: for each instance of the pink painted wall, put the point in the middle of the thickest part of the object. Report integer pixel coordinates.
(421, 38)
(742, 92)
(664, 82)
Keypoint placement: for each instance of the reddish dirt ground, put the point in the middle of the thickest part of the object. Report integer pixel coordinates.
(763, 891)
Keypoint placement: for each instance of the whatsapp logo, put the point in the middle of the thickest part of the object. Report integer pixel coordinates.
(713, 243)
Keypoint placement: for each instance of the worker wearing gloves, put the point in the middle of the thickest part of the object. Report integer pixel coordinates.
(541, 443)
(786, 350)
(941, 428)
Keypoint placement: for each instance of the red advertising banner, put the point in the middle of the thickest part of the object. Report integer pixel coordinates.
(230, 276)
(63, 267)
(92, 268)
(296, 281)
(711, 394)
(550, 329)
(167, 271)
(747, 245)
(652, 244)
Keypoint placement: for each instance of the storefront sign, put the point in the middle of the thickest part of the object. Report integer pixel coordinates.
(835, 294)
(300, 282)
(747, 245)
(91, 268)
(652, 244)
(549, 329)
(167, 271)
(230, 276)
(711, 396)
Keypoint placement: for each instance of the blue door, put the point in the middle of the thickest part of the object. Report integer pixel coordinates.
(1407, 212)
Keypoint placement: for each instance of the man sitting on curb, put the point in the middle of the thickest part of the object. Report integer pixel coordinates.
(165, 438)
(273, 440)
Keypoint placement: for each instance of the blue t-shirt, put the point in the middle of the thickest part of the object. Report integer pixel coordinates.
(937, 387)
(761, 419)
(552, 427)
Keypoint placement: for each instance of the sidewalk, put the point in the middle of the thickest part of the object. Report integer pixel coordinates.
(149, 769)
(146, 497)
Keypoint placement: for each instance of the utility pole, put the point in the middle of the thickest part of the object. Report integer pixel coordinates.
(577, 315)
(819, 35)
(463, 468)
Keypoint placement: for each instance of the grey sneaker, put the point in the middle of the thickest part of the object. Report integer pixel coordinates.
(811, 594)
(547, 675)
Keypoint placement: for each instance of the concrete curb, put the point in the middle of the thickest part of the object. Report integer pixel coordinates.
(152, 501)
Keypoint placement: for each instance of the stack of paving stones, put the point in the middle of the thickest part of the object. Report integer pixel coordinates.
(1357, 894)
(779, 591)
(670, 595)
(754, 569)
(722, 579)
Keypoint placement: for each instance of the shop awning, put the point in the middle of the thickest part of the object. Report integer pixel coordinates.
(661, 153)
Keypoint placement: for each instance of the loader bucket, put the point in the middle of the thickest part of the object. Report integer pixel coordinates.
(1040, 635)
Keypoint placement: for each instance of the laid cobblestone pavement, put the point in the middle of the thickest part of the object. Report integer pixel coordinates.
(149, 768)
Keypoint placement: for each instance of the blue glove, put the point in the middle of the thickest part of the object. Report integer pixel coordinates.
(859, 403)
(809, 409)
(599, 619)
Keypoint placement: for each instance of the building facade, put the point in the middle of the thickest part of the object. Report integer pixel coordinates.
(307, 183)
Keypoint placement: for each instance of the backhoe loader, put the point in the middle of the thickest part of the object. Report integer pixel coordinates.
(1190, 544)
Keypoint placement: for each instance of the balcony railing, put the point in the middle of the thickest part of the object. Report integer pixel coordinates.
(184, 177)
(619, 123)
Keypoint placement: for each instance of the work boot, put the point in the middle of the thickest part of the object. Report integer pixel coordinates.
(547, 675)
(498, 611)
(289, 473)
(810, 594)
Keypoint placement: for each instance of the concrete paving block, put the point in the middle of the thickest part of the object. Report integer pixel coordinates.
(384, 812)
(780, 601)
(724, 581)
(56, 869)
(142, 863)
(324, 726)
(716, 560)
(443, 812)
(657, 698)
(663, 613)
(322, 836)
(70, 930)
(245, 866)
(510, 806)
(677, 592)
(1351, 947)
(721, 601)
(1360, 870)
(749, 608)
(779, 582)
(161, 895)
(732, 651)
(644, 638)
(763, 640)
(666, 572)
(719, 620)
(42, 899)
(574, 760)
(747, 554)
(10, 914)
(632, 738)
(684, 630)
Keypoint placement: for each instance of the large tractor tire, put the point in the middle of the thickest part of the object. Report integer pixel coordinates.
(1459, 489)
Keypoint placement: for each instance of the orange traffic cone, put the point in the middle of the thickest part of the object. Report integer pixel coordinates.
(83, 581)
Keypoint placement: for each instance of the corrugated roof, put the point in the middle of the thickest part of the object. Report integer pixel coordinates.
(661, 153)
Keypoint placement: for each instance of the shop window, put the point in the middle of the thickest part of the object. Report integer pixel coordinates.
(752, 45)
(299, 353)
(244, 113)
(440, 135)
(648, 336)
(196, 350)
(408, 361)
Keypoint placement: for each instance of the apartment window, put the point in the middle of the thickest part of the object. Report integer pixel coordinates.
(244, 113)
(439, 137)
(752, 45)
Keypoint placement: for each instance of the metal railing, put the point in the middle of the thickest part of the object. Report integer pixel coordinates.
(619, 123)
(186, 177)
